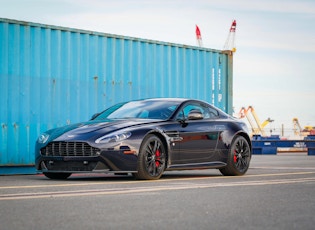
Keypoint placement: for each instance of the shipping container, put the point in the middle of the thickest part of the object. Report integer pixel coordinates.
(51, 76)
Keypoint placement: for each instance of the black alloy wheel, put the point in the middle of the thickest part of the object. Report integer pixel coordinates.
(151, 159)
(238, 159)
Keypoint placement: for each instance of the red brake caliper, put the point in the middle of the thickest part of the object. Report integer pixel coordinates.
(235, 157)
(157, 158)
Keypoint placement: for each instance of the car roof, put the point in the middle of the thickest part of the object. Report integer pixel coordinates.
(164, 99)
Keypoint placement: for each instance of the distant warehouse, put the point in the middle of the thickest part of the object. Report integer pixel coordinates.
(51, 76)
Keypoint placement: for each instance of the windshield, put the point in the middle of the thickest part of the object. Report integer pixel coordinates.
(147, 109)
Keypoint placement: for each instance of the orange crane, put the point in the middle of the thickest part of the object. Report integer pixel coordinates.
(230, 41)
(296, 127)
(259, 127)
(298, 131)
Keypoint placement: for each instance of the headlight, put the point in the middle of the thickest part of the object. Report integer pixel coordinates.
(113, 137)
(43, 138)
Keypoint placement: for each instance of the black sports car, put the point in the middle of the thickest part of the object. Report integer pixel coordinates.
(145, 138)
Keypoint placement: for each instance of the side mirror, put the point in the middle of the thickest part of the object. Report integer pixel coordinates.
(195, 115)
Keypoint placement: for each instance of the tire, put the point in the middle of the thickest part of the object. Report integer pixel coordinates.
(151, 159)
(57, 176)
(238, 158)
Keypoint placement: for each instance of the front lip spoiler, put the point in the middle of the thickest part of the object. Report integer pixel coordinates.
(107, 171)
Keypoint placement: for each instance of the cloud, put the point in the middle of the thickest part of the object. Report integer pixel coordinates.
(267, 6)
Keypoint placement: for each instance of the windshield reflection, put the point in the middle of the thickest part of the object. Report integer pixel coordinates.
(146, 109)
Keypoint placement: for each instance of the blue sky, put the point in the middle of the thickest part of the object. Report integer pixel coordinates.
(274, 65)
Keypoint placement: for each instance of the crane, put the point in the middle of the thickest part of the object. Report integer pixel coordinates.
(296, 126)
(299, 131)
(198, 36)
(259, 127)
(230, 43)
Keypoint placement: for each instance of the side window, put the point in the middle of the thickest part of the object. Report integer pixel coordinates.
(207, 112)
(180, 115)
(211, 113)
(191, 107)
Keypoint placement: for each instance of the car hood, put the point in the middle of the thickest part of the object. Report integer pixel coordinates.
(94, 129)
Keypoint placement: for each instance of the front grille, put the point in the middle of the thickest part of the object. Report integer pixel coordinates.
(69, 149)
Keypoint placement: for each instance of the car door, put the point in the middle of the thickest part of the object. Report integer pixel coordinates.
(198, 137)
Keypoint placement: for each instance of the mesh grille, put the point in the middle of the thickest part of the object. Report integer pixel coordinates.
(69, 149)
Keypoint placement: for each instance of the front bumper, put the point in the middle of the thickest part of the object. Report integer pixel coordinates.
(108, 161)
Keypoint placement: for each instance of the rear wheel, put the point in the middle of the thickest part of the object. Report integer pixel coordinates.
(151, 159)
(238, 158)
(57, 176)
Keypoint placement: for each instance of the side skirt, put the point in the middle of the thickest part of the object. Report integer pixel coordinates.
(205, 165)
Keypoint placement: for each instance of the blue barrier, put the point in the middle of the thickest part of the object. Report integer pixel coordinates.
(310, 144)
(264, 145)
(270, 145)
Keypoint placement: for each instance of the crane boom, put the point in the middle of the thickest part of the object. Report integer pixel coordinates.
(198, 37)
(299, 131)
(259, 127)
(230, 41)
(244, 113)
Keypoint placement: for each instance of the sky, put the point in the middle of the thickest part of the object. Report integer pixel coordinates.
(273, 67)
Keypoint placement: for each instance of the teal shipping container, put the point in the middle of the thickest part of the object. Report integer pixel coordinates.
(51, 76)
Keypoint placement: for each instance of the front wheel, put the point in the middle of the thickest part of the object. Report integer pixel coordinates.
(57, 176)
(238, 158)
(151, 159)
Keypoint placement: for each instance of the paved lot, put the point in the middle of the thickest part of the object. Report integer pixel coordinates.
(276, 193)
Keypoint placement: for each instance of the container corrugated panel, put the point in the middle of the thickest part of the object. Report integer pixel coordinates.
(51, 76)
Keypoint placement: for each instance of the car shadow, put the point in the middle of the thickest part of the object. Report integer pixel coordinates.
(168, 175)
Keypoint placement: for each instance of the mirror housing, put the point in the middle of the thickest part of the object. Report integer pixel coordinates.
(195, 115)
